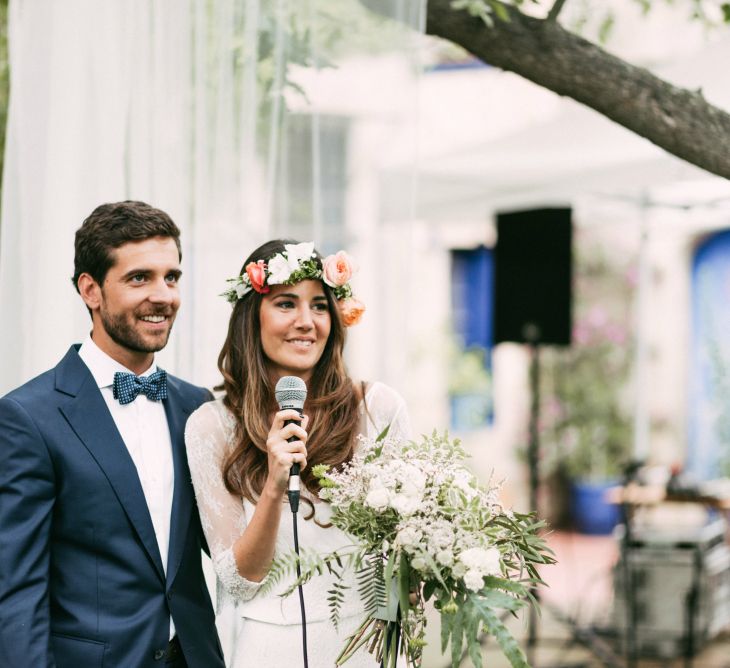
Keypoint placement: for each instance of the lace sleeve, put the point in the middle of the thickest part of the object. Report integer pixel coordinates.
(207, 439)
(386, 407)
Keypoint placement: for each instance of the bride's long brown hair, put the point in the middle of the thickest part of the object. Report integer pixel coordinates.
(332, 401)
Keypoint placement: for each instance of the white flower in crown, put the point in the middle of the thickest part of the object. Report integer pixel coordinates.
(279, 270)
(298, 262)
(297, 253)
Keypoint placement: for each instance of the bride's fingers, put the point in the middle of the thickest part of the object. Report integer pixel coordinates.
(281, 417)
(282, 453)
(293, 430)
(299, 458)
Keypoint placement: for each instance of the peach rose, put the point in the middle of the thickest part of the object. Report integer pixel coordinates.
(337, 269)
(351, 310)
(257, 275)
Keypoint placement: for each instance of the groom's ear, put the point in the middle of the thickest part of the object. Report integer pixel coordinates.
(90, 291)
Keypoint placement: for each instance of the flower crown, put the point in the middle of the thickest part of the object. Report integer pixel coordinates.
(298, 262)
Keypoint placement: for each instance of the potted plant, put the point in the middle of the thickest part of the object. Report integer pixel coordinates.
(588, 430)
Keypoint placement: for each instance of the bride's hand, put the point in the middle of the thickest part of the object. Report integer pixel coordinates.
(281, 453)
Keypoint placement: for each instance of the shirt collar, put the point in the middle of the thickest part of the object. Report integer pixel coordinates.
(102, 366)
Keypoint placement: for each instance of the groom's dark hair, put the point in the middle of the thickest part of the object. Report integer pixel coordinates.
(112, 225)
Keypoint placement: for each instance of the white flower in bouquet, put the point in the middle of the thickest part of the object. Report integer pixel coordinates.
(473, 580)
(423, 528)
(445, 557)
(405, 504)
(378, 498)
(408, 538)
(484, 561)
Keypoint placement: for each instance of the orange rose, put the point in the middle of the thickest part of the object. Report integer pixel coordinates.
(337, 269)
(257, 275)
(351, 310)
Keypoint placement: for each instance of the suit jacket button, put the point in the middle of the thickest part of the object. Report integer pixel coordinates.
(159, 653)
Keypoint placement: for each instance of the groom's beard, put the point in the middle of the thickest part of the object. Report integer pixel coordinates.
(120, 328)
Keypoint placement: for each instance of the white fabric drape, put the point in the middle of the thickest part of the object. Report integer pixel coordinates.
(243, 119)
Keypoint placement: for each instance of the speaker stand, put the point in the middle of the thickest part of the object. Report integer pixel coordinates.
(584, 636)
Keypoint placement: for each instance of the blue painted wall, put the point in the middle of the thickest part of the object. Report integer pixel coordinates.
(709, 390)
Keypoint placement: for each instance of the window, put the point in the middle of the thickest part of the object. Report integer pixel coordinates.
(470, 371)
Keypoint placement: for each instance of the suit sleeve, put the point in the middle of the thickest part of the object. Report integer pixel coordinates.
(27, 491)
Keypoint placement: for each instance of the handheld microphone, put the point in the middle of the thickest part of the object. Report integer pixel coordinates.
(291, 392)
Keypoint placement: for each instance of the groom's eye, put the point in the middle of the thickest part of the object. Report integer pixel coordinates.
(138, 278)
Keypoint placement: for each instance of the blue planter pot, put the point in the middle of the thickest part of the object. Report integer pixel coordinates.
(590, 512)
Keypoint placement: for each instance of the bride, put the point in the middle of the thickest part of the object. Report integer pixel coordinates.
(290, 310)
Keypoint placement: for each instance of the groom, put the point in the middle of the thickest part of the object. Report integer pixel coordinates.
(100, 540)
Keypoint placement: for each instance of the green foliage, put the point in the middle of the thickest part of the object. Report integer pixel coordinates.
(468, 373)
(371, 584)
(588, 430)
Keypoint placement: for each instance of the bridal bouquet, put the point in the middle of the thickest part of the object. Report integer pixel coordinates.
(424, 529)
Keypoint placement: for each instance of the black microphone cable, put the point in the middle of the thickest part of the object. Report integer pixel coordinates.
(291, 392)
(300, 588)
(293, 494)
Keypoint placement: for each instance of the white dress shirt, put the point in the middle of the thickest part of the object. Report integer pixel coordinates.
(143, 427)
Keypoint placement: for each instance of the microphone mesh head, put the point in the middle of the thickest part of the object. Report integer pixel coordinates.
(291, 392)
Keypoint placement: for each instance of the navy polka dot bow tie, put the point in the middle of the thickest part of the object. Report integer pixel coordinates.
(127, 386)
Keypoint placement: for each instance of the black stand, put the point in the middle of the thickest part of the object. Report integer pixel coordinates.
(584, 636)
(632, 617)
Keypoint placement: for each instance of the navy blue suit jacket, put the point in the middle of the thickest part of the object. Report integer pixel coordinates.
(81, 580)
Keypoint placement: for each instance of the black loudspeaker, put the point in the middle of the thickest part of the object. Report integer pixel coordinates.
(533, 275)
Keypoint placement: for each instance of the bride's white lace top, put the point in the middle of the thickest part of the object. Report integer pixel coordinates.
(209, 438)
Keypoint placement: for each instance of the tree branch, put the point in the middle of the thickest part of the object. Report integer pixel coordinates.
(679, 121)
(555, 10)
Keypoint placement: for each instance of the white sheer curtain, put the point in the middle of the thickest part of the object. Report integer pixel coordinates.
(243, 119)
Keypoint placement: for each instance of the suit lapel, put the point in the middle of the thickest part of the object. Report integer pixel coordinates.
(89, 417)
(177, 411)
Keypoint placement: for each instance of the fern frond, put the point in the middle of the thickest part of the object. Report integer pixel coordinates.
(371, 583)
(335, 598)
